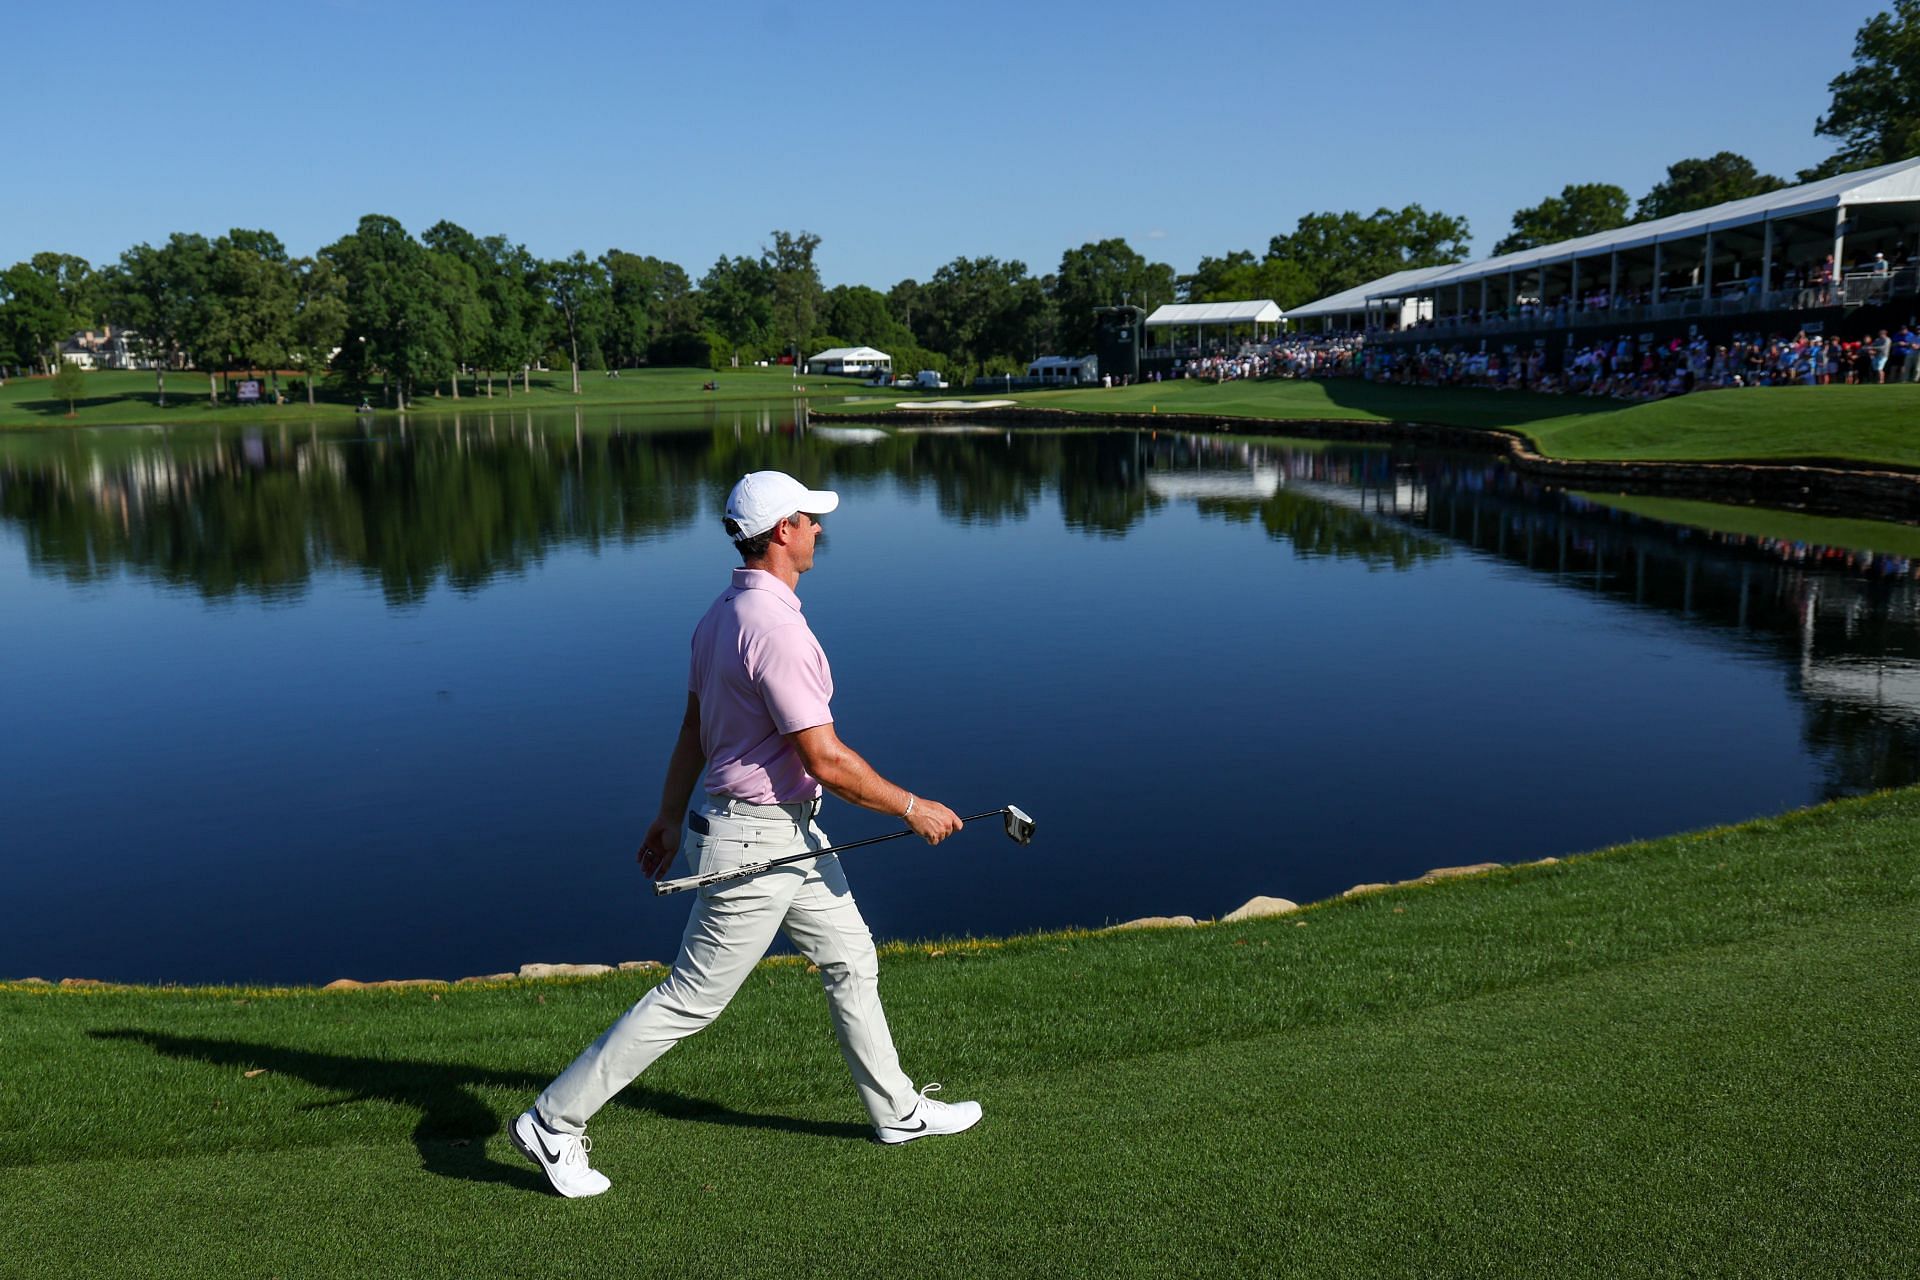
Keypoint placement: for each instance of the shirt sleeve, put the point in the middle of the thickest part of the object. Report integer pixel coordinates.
(793, 678)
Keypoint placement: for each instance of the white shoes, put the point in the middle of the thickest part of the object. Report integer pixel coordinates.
(930, 1118)
(561, 1156)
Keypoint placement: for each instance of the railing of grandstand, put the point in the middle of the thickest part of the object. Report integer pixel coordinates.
(1739, 297)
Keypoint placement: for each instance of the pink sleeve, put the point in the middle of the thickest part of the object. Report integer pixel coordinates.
(793, 678)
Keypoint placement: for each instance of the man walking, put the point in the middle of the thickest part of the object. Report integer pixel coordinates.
(758, 737)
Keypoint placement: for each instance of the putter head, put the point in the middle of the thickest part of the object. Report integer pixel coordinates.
(1019, 825)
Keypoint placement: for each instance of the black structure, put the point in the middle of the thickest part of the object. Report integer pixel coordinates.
(1119, 341)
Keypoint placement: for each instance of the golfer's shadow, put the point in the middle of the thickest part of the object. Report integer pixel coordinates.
(456, 1124)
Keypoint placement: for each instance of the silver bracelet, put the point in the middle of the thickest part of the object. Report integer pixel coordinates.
(910, 802)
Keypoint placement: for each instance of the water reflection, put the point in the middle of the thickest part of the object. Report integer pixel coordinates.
(470, 499)
(1385, 630)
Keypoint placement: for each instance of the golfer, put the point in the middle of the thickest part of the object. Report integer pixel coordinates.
(758, 738)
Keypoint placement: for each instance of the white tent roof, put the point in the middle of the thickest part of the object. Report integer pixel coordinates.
(1258, 311)
(1897, 183)
(850, 353)
(1355, 299)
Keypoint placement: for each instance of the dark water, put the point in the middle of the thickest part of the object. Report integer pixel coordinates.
(290, 705)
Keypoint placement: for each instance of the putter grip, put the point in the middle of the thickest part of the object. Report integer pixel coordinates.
(664, 887)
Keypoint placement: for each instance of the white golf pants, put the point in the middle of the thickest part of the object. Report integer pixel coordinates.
(730, 929)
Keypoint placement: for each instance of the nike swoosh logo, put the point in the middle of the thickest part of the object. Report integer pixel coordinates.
(908, 1128)
(553, 1157)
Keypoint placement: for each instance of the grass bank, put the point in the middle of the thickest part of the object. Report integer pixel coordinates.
(1693, 1055)
(1873, 426)
(116, 398)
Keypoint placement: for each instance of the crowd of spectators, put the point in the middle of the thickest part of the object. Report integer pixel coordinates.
(1295, 356)
(1625, 369)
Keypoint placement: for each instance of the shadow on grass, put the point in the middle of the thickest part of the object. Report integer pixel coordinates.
(1462, 406)
(455, 1123)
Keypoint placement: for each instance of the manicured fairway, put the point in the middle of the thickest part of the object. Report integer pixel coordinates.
(1693, 1056)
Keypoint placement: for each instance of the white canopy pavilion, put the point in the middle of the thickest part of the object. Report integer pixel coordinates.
(859, 362)
(1200, 316)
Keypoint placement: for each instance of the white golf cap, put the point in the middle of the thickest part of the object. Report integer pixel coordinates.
(763, 499)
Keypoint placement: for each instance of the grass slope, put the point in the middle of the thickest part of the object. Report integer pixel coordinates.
(1874, 425)
(1693, 1055)
(123, 399)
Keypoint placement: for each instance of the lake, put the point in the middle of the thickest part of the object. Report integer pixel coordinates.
(284, 705)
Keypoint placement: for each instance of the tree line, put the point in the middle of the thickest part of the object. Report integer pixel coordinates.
(382, 307)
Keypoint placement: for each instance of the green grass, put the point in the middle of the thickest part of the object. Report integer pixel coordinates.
(1763, 522)
(1856, 425)
(1690, 1056)
(123, 399)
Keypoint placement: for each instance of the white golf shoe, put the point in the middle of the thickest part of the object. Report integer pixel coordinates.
(931, 1117)
(561, 1156)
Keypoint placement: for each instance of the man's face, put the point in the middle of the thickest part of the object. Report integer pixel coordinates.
(806, 536)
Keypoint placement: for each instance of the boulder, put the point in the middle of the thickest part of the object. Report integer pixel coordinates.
(563, 970)
(342, 984)
(492, 977)
(628, 966)
(1255, 908)
(1364, 888)
(1153, 922)
(1445, 873)
(81, 982)
(407, 982)
(33, 982)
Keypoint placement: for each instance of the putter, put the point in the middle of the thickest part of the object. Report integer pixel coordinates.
(1019, 830)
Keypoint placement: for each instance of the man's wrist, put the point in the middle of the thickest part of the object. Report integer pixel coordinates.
(911, 801)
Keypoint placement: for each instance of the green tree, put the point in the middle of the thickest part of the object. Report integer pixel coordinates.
(1341, 250)
(457, 291)
(1581, 209)
(250, 304)
(69, 383)
(1099, 274)
(795, 279)
(983, 312)
(161, 296)
(32, 314)
(1701, 184)
(394, 321)
(1240, 277)
(736, 297)
(648, 298)
(1875, 112)
(861, 316)
(319, 322)
(577, 293)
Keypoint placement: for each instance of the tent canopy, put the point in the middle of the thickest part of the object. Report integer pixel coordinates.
(857, 354)
(1355, 299)
(1258, 311)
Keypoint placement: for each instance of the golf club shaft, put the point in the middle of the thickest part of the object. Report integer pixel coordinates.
(664, 887)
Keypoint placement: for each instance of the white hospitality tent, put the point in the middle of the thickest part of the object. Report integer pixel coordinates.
(855, 361)
(1200, 316)
(1731, 257)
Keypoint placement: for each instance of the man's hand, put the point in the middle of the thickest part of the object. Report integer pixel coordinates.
(661, 843)
(932, 821)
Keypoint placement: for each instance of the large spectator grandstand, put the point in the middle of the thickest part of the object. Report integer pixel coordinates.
(1839, 256)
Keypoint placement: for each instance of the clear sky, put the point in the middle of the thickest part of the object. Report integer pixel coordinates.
(903, 135)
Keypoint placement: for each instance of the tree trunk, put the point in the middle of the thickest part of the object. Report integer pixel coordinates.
(160, 382)
(309, 391)
(213, 389)
(489, 384)
(526, 379)
(573, 358)
(456, 382)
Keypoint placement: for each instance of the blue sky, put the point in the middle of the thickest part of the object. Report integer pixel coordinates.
(902, 135)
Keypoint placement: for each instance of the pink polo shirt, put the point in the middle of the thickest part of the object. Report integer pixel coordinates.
(759, 674)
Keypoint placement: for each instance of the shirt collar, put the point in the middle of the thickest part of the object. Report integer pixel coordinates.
(761, 580)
